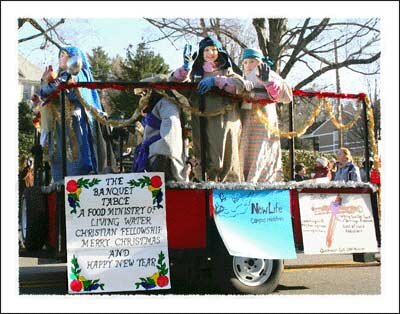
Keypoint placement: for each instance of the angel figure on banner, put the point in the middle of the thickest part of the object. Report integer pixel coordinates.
(334, 208)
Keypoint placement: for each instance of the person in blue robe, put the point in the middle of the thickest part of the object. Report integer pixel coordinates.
(88, 143)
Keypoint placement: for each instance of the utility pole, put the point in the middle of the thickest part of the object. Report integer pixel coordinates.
(339, 104)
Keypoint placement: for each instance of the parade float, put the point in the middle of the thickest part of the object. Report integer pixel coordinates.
(123, 231)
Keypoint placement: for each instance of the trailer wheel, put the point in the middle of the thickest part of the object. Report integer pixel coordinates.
(32, 219)
(245, 275)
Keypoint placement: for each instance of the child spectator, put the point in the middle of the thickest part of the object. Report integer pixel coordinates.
(321, 169)
(300, 170)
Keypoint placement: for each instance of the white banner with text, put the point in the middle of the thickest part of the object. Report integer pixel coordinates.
(337, 223)
(116, 233)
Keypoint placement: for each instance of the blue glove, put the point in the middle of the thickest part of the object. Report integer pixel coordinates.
(206, 84)
(187, 57)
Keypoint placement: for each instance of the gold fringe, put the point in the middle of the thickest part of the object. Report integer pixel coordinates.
(263, 118)
(338, 125)
(143, 102)
(371, 133)
(72, 150)
(186, 107)
(111, 122)
(56, 117)
(277, 132)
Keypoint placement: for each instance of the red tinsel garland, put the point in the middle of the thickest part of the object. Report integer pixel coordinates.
(298, 92)
(181, 86)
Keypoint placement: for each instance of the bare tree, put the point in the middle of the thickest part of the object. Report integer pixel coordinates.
(310, 43)
(49, 31)
(234, 34)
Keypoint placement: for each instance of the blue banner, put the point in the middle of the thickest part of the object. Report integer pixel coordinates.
(255, 223)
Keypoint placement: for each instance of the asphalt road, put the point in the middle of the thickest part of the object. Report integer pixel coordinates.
(308, 275)
(331, 281)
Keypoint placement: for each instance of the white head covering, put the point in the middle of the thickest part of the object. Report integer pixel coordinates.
(323, 161)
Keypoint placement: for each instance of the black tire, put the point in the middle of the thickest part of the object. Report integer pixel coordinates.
(32, 219)
(231, 279)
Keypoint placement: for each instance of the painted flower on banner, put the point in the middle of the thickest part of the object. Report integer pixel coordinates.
(79, 282)
(158, 279)
(153, 184)
(74, 189)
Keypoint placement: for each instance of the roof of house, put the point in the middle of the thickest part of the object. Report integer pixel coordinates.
(27, 70)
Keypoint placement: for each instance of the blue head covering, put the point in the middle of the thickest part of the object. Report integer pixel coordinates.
(255, 54)
(210, 41)
(85, 75)
(223, 57)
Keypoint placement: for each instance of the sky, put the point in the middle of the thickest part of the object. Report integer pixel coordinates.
(387, 301)
(115, 34)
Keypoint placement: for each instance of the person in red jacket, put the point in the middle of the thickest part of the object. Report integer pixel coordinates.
(321, 168)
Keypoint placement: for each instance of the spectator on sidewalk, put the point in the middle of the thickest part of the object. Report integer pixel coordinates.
(332, 167)
(321, 168)
(25, 174)
(346, 169)
(300, 170)
(190, 164)
(363, 169)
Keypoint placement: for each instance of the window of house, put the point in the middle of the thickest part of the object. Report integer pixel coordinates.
(28, 91)
(335, 140)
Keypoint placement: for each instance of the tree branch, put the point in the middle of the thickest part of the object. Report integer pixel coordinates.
(286, 47)
(41, 33)
(302, 43)
(315, 56)
(61, 39)
(357, 24)
(363, 73)
(348, 40)
(369, 43)
(201, 31)
(345, 63)
(307, 65)
(21, 22)
(38, 27)
(259, 25)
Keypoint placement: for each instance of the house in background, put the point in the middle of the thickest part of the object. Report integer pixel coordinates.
(326, 137)
(29, 76)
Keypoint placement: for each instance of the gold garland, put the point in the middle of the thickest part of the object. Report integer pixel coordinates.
(263, 118)
(371, 125)
(111, 122)
(310, 121)
(72, 150)
(277, 132)
(142, 104)
(186, 107)
(337, 124)
(371, 133)
(50, 147)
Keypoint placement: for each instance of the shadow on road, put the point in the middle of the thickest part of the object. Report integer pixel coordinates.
(50, 279)
(286, 288)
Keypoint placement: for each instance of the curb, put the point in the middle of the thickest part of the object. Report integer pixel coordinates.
(332, 265)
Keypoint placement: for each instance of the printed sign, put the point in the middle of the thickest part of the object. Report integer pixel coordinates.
(255, 223)
(337, 223)
(116, 233)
